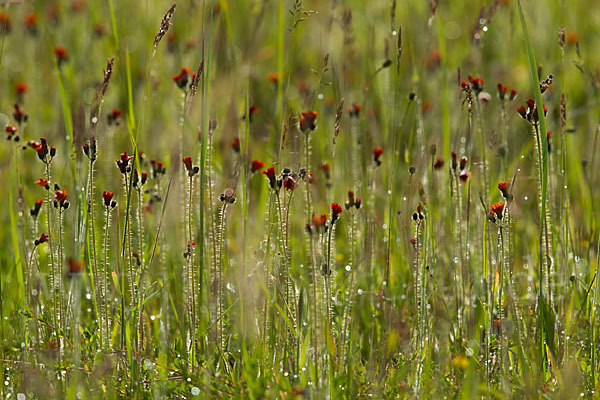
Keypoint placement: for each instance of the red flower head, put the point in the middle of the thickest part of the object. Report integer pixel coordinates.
(513, 94)
(107, 196)
(21, 87)
(43, 239)
(464, 85)
(439, 163)
(476, 83)
(354, 110)
(454, 162)
(289, 183)
(325, 168)
(61, 54)
(336, 210)
(464, 176)
(350, 203)
(273, 77)
(181, 79)
(43, 183)
(61, 196)
(548, 134)
(504, 187)
(498, 209)
(19, 115)
(502, 91)
(270, 173)
(413, 241)
(36, 208)
(252, 110)
(123, 163)
(30, 20)
(187, 161)
(113, 116)
(5, 24)
(75, 267)
(377, 152)
(307, 121)
(522, 111)
(463, 162)
(235, 144)
(256, 165)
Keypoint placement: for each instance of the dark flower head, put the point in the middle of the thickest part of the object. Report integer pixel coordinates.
(19, 115)
(548, 134)
(513, 94)
(157, 168)
(325, 168)
(273, 77)
(289, 183)
(464, 176)
(270, 173)
(354, 110)
(476, 83)
(60, 198)
(75, 267)
(227, 196)
(439, 163)
(123, 163)
(43, 183)
(187, 161)
(61, 54)
(463, 162)
(522, 111)
(113, 116)
(256, 165)
(377, 152)
(235, 144)
(307, 121)
(504, 187)
(454, 161)
(21, 87)
(43, 239)
(36, 208)
(181, 79)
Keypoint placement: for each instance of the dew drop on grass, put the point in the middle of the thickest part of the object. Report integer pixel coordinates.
(320, 96)
(94, 120)
(394, 33)
(348, 268)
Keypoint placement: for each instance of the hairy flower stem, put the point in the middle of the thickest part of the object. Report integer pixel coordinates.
(94, 261)
(191, 271)
(104, 292)
(54, 283)
(220, 298)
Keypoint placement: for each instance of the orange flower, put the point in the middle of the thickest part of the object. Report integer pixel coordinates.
(498, 209)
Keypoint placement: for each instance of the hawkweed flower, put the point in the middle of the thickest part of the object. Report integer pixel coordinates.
(43, 239)
(113, 117)
(192, 170)
(35, 210)
(464, 176)
(270, 174)
(354, 110)
(227, 196)
(273, 77)
(454, 161)
(319, 222)
(19, 115)
(491, 216)
(30, 21)
(108, 199)
(498, 209)
(308, 121)
(289, 183)
(377, 152)
(531, 113)
(413, 242)
(350, 202)
(438, 163)
(476, 83)
(463, 162)
(505, 189)
(157, 168)
(235, 144)
(137, 182)
(336, 210)
(5, 23)
(21, 88)
(61, 55)
(252, 110)
(182, 78)
(502, 91)
(60, 198)
(89, 149)
(43, 183)
(12, 132)
(256, 165)
(75, 267)
(123, 163)
(326, 169)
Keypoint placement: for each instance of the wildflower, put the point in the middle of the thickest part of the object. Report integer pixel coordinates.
(357, 203)
(513, 94)
(61, 54)
(235, 144)
(289, 183)
(548, 134)
(43, 239)
(256, 165)
(319, 222)
(113, 116)
(377, 152)
(522, 112)
(273, 77)
(123, 163)
(463, 162)
(504, 187)
(227, 196)
(326, 169)
(307, 121)
(19, 115)
(476, 83)
(107, 197)
(43, 183)
(252, 110)
(43, 150)
(439, 163)
(11, 131)
(454, 163)
(60, 198)
(75, 267)
(464, 176)
(21, 87)
(354, 110)
(491, 216)
(312, 179)
(89, 149)
(502, 91)
(413, 241)
(157, 168)
(187, 161)
(350, 202)
(181, 79)
(5, 24)
(34, 212)
(137, 182)
(336, 210)
(498, 209)
(270, 173)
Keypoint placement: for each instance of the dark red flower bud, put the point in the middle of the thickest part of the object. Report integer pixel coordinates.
(187, 161)
(123, 163)
(235, 144)
(336, 210)
(325, 168)
(464, 176)
(43, 239)
(521, 110)
(354, 110)
(377, 152)
(113, 116)
(61, 54)
(289, 183)
(107, 196)
(270, 173)
(307, 121)
(61, 195)
(439, 163)
(502, 91)
(181, 79)
(463, 162)
(513, 94)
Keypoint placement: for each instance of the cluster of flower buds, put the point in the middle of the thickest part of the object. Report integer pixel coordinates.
(468, 94)
(123, 163)
(188, 252)
(503, 90)
(108, 199)
(352, 202)
(463, 174)
(497, 212)
(256, 165)
(60, 198)
(43, 239)
(35, 210)
(19, 115)
(137, 182)
(12, 133)
(182, 78)
(419, 214)
(227, 196)
(192, 170)
(158, 168)
(113, 116)
(377, 152)
(308, 121)
(43, 150)
(531, 112)
(354, 110)
(476, 84)
(89, 149)
(273, 181)
(290, 179)
(319, 224)
(43, 183)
